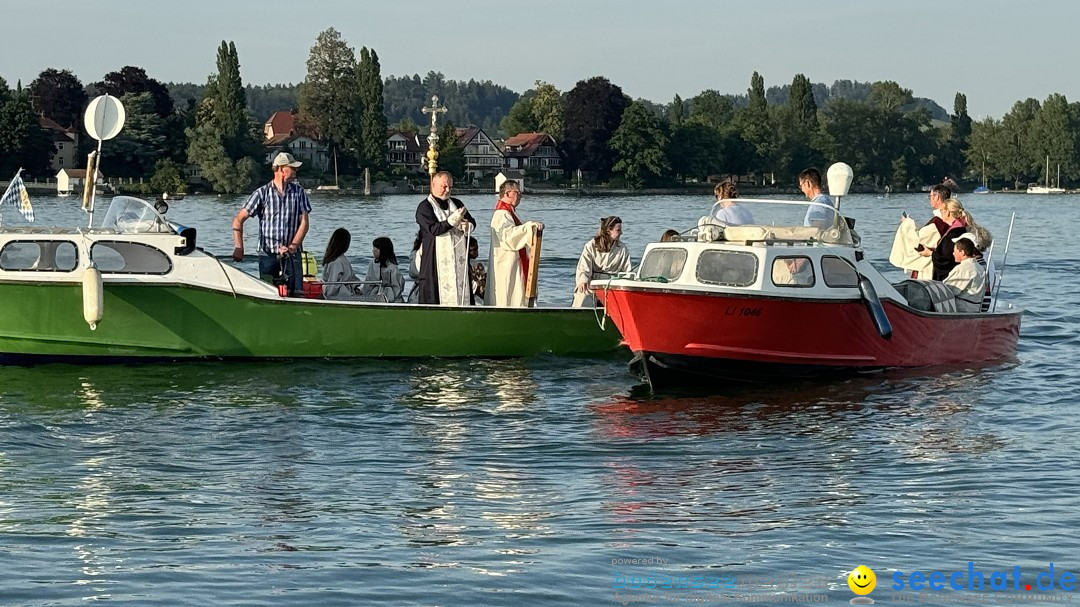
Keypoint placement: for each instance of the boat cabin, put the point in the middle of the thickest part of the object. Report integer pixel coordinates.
(778, 256)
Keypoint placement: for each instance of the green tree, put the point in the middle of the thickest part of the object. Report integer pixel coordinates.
(139, 146)
(676, 112)
(756, 127)
(451, 156)
(988, 149)
(330, 93)
(959, 134)
(131, 79)
(1053, 134)
(167, 178)
(60, 96)
(372, 119)
(797, 146)
(889, 95)
(696, 150)
(640, 142)
(224, 141)
(23, 143)
(1021, 158)
(520, 119)
(711, 108)
(548, 108)
(884, 146)
(594, 109)
(406, 125)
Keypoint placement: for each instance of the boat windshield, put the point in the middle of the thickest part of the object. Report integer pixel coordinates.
(767, 219)
(133, 215)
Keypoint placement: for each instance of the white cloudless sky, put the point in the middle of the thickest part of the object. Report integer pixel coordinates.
(995, 51)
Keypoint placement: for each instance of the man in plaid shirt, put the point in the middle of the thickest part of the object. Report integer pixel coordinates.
(282, 207)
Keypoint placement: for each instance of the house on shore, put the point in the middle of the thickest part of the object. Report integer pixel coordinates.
(71, 181)
(280, 133)
(482, 156)
(65, 142)
(534, 153)
(405, 151)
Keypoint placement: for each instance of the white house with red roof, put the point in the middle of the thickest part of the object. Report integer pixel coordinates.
(535, 153)
(281, 133)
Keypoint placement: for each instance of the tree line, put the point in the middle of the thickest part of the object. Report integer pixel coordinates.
(889, 136)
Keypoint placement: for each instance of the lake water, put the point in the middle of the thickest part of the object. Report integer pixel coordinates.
(532, 482)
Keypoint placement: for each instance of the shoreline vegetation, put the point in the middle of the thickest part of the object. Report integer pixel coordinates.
(218, 137)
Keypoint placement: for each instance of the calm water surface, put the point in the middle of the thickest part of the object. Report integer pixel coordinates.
(517, 482)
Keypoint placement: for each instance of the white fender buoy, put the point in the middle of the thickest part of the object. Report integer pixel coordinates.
(92, 297)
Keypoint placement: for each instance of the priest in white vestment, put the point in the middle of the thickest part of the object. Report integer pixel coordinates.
(508, 259)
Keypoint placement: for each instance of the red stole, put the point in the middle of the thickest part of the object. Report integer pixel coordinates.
(522, 255)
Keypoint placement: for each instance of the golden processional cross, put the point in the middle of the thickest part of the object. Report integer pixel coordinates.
(433, 136)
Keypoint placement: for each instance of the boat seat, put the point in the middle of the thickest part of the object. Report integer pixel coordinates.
(927, 295)
(796, 233)
(744, 233)
(757, 232)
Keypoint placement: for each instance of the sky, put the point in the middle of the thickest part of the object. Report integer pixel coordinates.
(996, 52)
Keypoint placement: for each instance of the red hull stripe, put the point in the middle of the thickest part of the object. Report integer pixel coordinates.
(808, 357)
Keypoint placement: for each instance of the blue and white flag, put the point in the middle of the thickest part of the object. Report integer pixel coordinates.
(17, 196)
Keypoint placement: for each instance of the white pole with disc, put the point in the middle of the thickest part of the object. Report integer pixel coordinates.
(103, 120)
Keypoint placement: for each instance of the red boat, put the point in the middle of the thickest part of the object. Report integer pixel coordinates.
(762, 302)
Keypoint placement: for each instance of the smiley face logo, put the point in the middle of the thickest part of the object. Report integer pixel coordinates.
(862, 580)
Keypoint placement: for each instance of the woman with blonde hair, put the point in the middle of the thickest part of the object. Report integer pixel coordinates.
(602, 257)
(960, 221)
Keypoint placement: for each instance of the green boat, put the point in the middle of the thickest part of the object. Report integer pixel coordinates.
(137, 288)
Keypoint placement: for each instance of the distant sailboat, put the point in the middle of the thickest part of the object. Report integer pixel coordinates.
(982, 189)
(1038, 189)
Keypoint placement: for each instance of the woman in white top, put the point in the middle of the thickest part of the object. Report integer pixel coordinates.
(384, 282)
(730, 213)
(602, 257)
(339, 279)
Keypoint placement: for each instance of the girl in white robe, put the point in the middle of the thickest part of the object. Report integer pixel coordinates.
(602, 257)
(384, 282)
(508, 257)
(339, 279)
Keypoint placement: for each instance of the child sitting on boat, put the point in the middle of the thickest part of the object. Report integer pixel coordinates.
(339, 279)
(384, 282)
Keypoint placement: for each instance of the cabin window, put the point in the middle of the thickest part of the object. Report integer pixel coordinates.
(838, 273)
(663, 263)
(39, 256)
(129, 258)
(727, 268)
(793, 271)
